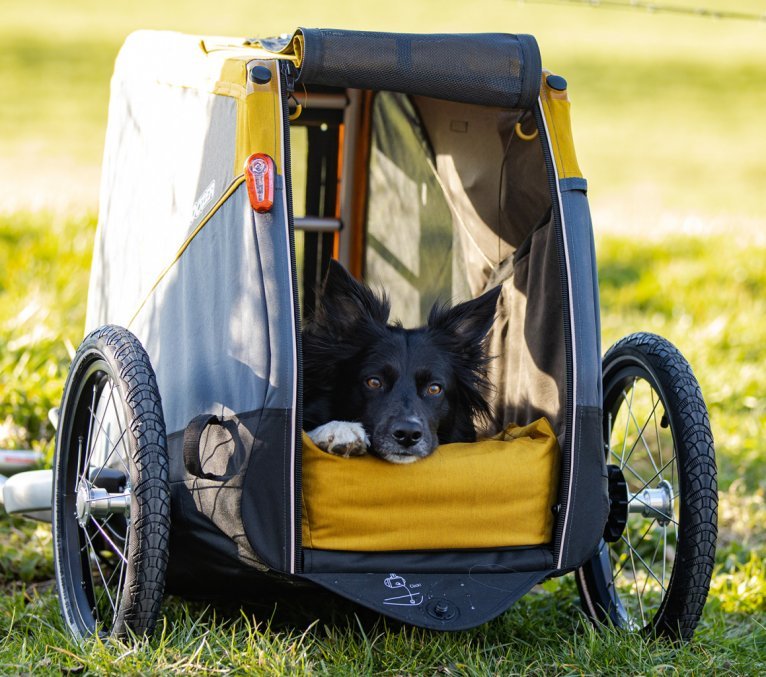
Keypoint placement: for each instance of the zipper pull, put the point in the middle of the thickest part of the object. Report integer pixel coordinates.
(290, 72)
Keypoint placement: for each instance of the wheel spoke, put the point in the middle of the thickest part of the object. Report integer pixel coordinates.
(640, 540)
(640, 432)
(113, 445)
(90, 428)
(651, 568)
(627, 420)
(656, 425)
(632, 470)
(664, 550)
(91, 443)
(123, 569)
(635, 579)
(641, 559)
(94, 558)
(115, 548)
(109, 455)
(122, 432)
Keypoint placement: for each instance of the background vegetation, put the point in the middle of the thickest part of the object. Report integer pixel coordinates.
(667, 115)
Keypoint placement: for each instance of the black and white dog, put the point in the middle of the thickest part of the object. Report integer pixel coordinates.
(395, 392)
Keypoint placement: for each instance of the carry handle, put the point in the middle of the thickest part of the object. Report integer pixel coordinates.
(192, 437)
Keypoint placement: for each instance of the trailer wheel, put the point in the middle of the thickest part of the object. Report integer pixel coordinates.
(653, 568)
(111, 503)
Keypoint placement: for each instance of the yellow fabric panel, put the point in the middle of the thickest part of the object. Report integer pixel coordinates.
(494, 493)
(259, 107)
(259, 124)
(293, 50)
(556, 110)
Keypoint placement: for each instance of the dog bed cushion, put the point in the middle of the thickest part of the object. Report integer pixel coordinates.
(494, 493)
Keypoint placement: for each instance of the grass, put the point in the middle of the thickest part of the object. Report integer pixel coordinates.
(668, 124)
(544, 634)
(675, 287)
(44, 261)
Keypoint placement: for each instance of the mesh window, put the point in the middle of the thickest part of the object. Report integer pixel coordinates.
(409, 246)
(493, 69)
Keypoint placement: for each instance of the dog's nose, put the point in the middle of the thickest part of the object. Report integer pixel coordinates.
(408, 433)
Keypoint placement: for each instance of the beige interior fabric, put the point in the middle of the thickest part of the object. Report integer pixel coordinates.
(496, 185)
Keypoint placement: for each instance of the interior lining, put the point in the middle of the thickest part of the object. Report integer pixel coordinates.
(494, 184)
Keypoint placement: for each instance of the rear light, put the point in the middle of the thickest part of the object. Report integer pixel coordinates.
(260, 176)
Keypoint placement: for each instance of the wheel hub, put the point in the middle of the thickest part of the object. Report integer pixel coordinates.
(93, 501)
(655, 503)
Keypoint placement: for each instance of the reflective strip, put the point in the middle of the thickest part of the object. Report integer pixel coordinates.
(294, 411)
(572, 335)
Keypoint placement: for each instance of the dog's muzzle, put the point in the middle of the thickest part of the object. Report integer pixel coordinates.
(403, 441)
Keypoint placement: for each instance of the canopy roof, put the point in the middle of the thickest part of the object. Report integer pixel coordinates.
(493, 69)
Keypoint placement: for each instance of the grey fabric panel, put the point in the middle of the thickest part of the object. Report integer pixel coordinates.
(243, 512)
(266, 494)
(529, 369)
(159, 179)
(216, 328)
(584, 283)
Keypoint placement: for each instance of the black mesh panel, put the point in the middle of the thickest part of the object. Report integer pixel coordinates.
(493, 69)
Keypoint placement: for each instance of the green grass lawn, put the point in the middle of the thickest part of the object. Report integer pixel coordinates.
(675, 287)
(668, 123)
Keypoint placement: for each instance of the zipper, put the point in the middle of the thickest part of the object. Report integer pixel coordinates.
(566, 475)
(287, 77)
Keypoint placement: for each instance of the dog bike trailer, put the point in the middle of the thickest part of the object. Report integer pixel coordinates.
(434, 166)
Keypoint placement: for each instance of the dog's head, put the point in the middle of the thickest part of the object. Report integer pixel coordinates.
(412, 389)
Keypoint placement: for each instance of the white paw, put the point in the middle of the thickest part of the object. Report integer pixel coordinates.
(341, 438)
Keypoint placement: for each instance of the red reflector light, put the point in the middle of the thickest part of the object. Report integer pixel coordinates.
(260, 176)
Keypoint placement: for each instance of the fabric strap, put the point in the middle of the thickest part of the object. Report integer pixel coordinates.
(192, 436)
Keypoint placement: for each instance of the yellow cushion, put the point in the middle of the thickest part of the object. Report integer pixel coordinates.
(494, 493)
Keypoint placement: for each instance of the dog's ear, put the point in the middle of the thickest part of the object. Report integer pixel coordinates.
(346, 302)
(470, 321)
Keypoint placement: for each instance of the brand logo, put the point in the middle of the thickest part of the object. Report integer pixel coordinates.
(202, 201)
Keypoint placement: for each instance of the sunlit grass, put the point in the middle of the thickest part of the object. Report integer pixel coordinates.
(543, 634)
(676, 287)
(708, 296)
(44, 269)
(667, 116)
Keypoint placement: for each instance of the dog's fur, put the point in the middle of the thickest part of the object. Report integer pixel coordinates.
(397, 393)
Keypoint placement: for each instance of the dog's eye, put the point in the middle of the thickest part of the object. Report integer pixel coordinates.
(373, 383)
(434, 389)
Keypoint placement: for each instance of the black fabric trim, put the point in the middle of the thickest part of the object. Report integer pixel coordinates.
(265, 490)
(589, 506)
(427, 561)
